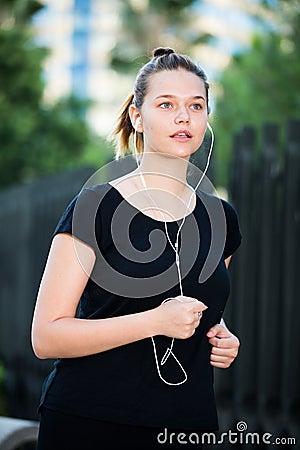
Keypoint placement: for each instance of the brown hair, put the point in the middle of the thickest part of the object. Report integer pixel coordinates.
(163, 58)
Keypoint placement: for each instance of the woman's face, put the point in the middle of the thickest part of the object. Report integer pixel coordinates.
(174, 113)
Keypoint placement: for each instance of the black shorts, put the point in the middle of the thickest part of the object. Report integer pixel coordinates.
(59, 431)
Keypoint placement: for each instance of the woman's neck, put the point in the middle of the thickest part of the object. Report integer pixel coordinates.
(164, 172)
(158, 187)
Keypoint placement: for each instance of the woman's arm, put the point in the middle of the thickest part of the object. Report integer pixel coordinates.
(56, 333)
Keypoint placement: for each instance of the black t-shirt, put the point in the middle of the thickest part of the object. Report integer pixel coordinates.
(135, 271)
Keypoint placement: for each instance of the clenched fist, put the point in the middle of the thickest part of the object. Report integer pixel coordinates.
(178, 317)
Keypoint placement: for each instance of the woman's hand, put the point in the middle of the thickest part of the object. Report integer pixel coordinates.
(179, 317)
(225, 346)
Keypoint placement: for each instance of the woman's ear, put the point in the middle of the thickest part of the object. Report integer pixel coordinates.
(135, 117)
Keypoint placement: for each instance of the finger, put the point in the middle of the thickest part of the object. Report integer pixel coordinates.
(185, 299)
(220, 358)
(219, 361)
(192, 304)
(218, 330)
(231, 342)
(199, 307)
(221, 365)
(221, 343)
(195, 320)
(222, 352)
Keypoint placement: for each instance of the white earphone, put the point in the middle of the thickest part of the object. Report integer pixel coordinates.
(138, 123)
(174, 246)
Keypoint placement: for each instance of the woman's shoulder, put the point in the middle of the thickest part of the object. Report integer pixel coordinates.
(96, 199)
(97, 189)
(217, 202)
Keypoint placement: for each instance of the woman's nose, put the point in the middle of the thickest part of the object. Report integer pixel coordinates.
(182, 116)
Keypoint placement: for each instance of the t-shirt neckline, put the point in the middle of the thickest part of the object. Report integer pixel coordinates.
(146, 215)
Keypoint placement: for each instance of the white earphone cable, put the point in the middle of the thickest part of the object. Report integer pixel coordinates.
(174, 246)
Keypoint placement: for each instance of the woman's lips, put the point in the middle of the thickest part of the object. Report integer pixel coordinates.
(181, 136)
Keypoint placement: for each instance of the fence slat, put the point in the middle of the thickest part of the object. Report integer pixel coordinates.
(290, 367)
(268, 296)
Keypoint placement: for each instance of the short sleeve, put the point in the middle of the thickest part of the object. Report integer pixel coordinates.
(81, 218)
(233, 234)
(64, 224)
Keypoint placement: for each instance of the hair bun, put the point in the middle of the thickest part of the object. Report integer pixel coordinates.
(162, 51)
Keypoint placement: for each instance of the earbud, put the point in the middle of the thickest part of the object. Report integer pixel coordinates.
(138, 123)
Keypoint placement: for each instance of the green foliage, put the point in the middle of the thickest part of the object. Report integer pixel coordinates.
(159, 23)
(35, 138)
(171, 7)
(19, 10)
(20, 66)
(261, 85)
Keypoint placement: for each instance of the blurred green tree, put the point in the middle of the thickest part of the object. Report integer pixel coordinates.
(35, 138)
(17, 11)
(148, 23)
(260, 85)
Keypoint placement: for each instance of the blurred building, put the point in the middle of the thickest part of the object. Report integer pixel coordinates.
(231, 23)
(81, 33)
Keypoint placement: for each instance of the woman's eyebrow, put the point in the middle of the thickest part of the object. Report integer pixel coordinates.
(193, 97)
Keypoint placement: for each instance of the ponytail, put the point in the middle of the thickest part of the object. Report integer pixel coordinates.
(124, 128)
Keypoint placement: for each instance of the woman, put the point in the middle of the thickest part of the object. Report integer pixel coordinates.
(146, 257)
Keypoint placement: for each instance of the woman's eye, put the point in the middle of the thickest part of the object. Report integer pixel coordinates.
(165, 105)
(197, 106)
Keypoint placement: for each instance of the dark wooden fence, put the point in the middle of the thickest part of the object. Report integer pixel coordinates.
(28, 215)
(262, 387)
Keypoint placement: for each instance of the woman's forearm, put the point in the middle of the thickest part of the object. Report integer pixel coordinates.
(70, 337)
